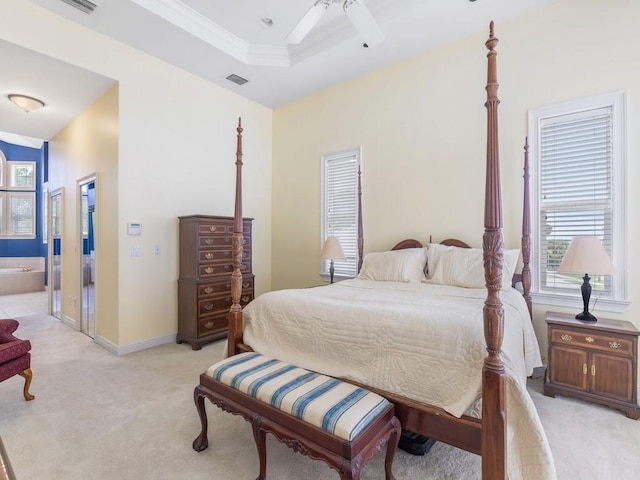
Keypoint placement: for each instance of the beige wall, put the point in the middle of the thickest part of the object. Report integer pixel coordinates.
(422, 124)
(175, 156)
(89, 146)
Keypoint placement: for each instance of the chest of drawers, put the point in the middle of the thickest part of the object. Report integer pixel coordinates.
(594, 361)
(204, 285)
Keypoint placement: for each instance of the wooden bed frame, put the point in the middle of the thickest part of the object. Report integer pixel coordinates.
(485, 436)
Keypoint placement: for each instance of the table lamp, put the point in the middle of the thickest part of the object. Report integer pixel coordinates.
(332, 250)
(586, 254)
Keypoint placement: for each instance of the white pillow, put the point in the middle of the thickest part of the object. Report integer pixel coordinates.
(464, 267)
(405, 265)
(434, 252)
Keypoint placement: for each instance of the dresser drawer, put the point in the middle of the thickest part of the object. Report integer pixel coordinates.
(213, 324)
(225, 255)
(222, 241)
(218, 228)
(220, 269)
(208, 306)
(221, 227)
(593, 341)
(222, 287)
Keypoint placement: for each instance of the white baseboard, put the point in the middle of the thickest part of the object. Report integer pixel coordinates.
(69, 322)
(134, 347)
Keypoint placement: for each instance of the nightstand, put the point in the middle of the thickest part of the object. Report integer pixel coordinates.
(593, 361)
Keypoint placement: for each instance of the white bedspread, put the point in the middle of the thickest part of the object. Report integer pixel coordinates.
(423, 341)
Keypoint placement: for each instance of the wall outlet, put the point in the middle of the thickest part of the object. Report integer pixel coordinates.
(134, 251)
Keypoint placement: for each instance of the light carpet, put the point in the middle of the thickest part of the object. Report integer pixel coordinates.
(97, 416)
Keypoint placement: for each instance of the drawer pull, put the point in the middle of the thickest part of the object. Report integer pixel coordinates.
(566, 338)
(593, 370)
(589, 339)
(208, 324)
(227, 253)
(208, 270)
(208, 290)
(208, 256)
(212, 228)
(615, 345)
(208, 241)
(245, 299)
(227, 285)
(584, 368)
(208, 306)
(245, 285)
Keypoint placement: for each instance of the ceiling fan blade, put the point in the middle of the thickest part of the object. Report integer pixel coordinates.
(364, 22)
(309, 21)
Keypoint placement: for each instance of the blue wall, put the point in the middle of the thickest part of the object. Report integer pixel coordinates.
(35, 247)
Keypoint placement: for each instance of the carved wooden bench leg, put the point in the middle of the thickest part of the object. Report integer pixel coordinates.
(260, 436)
(28, 375)
(201, 442)
(392, 447)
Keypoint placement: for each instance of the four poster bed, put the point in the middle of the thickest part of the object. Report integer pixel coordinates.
(452, 357)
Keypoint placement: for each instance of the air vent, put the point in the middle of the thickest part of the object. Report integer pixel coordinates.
(237, 79)
(83, 5)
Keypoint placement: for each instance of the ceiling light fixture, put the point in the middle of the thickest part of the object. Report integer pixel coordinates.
(25, 102)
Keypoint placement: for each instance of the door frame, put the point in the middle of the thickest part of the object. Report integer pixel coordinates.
(53, 193)
(92, 178)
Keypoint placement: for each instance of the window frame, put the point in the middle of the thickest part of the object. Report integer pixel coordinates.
(7, 229)
(356, 153)
(9, 191)
(617, 102)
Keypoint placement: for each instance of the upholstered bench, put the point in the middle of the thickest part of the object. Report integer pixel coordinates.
(316, 415)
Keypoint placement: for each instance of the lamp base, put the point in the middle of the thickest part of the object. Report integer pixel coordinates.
(586, 317)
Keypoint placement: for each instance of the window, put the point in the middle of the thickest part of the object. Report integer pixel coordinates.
(17, 199)
(340, 208)
(578, 161)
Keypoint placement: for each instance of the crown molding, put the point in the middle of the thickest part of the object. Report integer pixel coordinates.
(189, 20)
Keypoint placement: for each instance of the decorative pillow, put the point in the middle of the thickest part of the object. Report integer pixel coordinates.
(464, 267)
(405, 265)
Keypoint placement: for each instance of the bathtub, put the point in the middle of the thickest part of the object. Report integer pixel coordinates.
(21, 275)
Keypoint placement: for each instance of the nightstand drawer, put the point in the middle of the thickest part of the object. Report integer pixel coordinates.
(606, 343)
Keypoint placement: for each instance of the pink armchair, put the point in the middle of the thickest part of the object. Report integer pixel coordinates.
(14, 355)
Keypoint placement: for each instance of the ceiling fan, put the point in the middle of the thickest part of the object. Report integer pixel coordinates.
(357, 12)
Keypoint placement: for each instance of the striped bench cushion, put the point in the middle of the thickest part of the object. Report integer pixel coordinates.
(339, 408)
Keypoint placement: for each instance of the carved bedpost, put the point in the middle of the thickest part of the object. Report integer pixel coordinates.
(494, 457)
(234, 337)
(360, 230)
(526, 233)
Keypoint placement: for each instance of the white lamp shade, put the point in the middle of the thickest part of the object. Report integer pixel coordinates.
(332, 250)
(586, 255)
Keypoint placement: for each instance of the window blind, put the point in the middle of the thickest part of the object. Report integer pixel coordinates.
(341, 208)
(576, 192)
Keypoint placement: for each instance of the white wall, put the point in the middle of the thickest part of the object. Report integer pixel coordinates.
(422, 128)
(176, 156)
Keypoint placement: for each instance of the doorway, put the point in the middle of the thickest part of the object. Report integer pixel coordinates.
(87, 210)
(54, 223)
